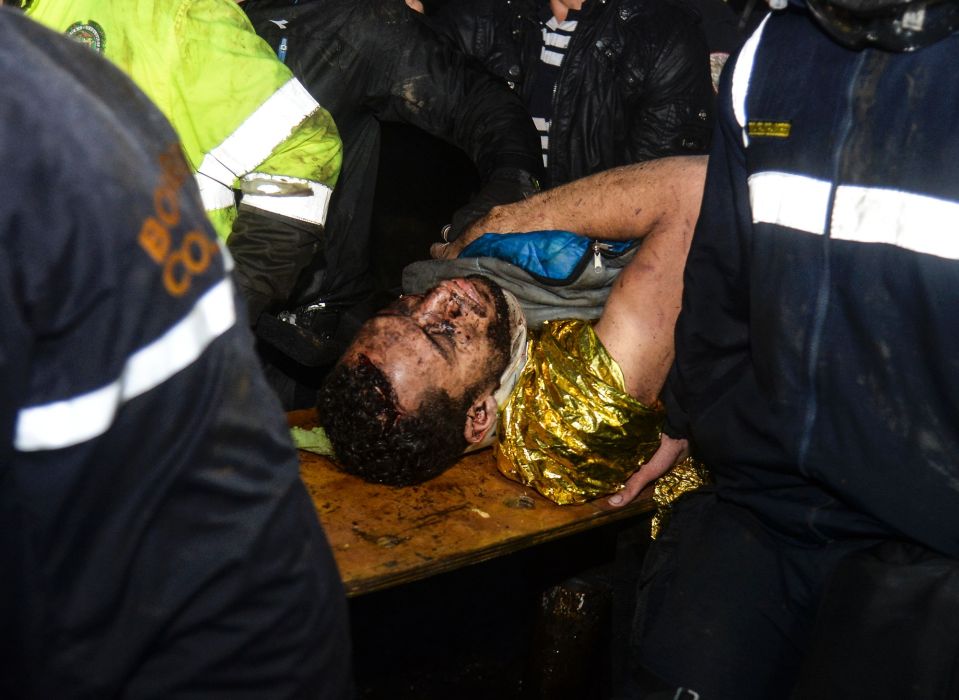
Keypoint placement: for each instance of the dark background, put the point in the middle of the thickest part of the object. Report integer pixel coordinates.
(546, 623)
(422, 180)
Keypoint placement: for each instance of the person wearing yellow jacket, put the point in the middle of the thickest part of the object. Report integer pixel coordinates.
(250, 131)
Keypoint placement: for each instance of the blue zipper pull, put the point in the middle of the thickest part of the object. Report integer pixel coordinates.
(281, 52)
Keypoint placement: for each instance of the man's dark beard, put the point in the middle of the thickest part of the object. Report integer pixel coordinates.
(499, 332)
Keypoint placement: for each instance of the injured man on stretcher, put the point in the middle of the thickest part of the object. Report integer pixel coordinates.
(569, 403)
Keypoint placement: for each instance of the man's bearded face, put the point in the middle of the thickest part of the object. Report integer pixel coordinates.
(454, 338)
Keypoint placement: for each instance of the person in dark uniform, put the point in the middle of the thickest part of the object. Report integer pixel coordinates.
(155, 539)
(816, 372)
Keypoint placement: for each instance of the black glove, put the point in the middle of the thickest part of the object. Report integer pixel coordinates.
(270, 251)
(505, 185)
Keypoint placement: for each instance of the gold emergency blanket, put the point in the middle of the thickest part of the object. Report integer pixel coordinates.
(569, 429)
(684, 477)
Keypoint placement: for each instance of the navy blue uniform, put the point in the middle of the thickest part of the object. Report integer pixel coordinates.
(155, 538)
(817, 361)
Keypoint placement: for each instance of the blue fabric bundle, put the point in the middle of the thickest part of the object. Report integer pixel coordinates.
(553, 257)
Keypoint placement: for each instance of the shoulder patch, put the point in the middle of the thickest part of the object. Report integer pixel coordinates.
(89, 33)
(778, 130)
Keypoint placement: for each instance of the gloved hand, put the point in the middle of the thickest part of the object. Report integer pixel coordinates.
(269, 252)
(505, 185)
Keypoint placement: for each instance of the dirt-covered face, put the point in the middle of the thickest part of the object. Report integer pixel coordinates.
(454, 338)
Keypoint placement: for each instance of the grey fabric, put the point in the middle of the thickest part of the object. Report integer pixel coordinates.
(583, 298)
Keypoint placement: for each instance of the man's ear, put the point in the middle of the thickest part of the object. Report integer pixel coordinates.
(480, 418)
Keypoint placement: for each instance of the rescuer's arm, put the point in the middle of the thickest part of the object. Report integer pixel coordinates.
(259, 133)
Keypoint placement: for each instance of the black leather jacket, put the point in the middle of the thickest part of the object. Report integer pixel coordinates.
(635, 83)
(368, 61)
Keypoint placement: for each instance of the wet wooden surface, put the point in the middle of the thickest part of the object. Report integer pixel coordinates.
(384, 536)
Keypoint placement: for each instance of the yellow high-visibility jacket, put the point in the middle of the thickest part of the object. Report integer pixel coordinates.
(246, 124)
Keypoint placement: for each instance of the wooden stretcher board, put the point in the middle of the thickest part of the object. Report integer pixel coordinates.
(383, 536)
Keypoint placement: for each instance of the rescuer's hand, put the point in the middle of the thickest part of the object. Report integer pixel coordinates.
(670, 452)
(270, 251)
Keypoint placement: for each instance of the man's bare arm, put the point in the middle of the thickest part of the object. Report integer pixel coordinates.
(640, 314)
(616, 204)
(639, 318)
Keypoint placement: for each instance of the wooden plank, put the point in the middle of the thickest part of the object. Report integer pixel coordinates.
(384, 536)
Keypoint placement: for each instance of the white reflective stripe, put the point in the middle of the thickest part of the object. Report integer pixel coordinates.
(215, 171)
(912, 221)
(228, 264)
(254, 140)
(785, 199)
(213, 195)
(311, 209)
(73, 421)
(742, 72)
(906, 220)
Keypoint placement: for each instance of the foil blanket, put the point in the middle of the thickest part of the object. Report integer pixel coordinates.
(570, 430)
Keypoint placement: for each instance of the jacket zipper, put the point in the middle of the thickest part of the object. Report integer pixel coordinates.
(822, 295)
(598, 248)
